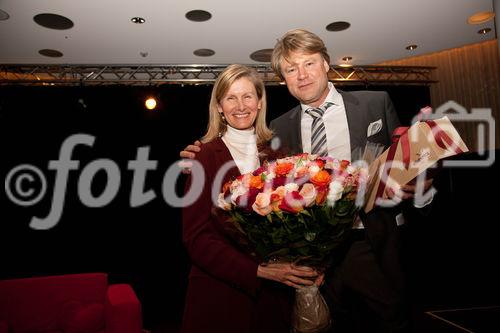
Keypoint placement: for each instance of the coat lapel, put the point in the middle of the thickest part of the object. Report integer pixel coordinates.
(223, 156)
(354, 120)
(295, 141)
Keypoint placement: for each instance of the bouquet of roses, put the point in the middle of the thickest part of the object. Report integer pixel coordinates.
(298, 208)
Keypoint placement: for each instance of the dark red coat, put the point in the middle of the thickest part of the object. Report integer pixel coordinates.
(224, 293)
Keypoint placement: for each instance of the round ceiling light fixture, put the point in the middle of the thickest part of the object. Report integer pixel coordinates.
(346, 61)
(484, 31)
(204, 52)
(411, 47)
(4, 15)
(338, 26)
(53, 21)
(198, 15)
(137, 20)
(51, 53)
(481, 17)
(263, 55)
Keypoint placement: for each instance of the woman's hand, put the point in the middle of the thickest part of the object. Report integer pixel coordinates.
(291, 275)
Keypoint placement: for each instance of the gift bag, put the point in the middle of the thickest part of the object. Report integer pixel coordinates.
(310, 311)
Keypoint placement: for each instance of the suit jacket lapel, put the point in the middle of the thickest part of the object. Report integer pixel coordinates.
(354, 120)
(295, 141)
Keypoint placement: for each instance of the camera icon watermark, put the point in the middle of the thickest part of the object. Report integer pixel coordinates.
(485, 132)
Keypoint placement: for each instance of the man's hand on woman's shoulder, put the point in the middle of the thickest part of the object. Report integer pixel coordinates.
(189, 153)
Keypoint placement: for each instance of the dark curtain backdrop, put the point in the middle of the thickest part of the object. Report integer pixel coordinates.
(452, 251)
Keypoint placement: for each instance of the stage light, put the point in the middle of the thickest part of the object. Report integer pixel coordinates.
(150, 103)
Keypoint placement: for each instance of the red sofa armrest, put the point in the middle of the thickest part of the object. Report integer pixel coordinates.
(4, 328)
(122, 310)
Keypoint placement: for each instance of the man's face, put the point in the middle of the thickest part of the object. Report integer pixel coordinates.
(306, 77)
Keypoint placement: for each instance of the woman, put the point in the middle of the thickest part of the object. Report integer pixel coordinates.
(228, 290)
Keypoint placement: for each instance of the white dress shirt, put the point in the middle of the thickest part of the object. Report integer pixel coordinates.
(336, 127)
(337, 131)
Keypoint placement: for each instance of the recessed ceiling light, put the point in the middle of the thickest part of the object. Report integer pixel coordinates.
(204, 52)
(53, 21)
(138, 20)
(484, 31)
(480, 17)
(338, 26)
(4, 15)
(51, 53)
(411, 47)
(263, 55)
(346, 60)
(198, 15)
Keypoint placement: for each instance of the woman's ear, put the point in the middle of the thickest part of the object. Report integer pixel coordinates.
(259, 105)
(219, 109)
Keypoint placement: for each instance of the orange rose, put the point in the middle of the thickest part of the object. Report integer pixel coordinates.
(276, 197)
(256, 182)
(322, 178)
(282, 169)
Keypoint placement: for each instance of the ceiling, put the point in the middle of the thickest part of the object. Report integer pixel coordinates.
(104, 34)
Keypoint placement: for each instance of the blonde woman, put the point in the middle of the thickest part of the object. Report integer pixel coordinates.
(228, 291)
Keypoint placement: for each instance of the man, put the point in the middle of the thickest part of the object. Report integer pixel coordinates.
(366, 288)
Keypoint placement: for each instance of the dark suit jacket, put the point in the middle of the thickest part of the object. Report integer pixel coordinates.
(362, 108)
(224, 293)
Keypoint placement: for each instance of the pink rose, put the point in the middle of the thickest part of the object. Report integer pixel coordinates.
(262, 204)
(308, 192)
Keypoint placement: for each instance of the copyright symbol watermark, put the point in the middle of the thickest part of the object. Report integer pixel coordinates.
(25, 185)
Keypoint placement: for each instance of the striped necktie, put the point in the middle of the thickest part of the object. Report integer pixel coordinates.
(318, 132)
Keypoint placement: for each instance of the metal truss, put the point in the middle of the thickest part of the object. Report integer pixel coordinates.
(144, 75)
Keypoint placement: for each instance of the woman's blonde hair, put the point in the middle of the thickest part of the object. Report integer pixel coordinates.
(216, 126)
(296, 40)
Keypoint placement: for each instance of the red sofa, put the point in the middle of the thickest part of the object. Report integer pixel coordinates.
(76, 303)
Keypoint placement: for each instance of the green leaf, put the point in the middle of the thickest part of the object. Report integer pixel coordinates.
(305, 212)
(310, 236)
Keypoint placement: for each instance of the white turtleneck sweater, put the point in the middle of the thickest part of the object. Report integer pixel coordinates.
(242, 145)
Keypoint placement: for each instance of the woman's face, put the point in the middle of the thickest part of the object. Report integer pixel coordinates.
(240, 105)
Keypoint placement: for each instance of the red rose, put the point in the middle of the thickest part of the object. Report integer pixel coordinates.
(293, 202)
(246, 200)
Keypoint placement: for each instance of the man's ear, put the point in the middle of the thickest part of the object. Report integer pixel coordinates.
(326, 66)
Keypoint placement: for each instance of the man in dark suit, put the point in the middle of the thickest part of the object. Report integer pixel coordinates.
(366, 287)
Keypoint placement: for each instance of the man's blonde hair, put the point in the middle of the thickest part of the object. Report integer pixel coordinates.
(296, 40)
